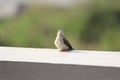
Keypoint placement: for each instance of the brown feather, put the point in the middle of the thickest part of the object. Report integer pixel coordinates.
(66, 42)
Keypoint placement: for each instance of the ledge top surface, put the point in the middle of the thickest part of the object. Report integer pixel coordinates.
(53, 56)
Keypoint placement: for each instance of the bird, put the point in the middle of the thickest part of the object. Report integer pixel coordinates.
(61, 42)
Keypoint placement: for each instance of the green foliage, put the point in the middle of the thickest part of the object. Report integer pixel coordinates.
(89, 28)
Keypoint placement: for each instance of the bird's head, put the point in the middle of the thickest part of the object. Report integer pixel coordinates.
(60, 32)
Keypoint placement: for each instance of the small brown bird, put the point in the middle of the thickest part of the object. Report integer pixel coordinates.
(61, 42)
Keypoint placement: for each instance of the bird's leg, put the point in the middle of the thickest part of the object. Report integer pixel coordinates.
(63, 50)
(60, 50)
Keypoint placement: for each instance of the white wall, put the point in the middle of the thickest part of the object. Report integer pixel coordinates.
(75, 57)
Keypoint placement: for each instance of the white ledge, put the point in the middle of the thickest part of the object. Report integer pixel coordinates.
(75, 57)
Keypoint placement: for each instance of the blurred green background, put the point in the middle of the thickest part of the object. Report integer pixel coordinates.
(92, 26)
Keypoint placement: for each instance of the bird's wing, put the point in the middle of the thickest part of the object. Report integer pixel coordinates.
(67, 43)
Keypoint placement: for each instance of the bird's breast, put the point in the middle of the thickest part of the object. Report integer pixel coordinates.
(60, 43)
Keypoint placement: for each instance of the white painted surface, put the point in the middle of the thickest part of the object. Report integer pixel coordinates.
(75, 57)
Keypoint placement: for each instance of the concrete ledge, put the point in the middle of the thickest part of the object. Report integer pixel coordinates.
(49, 64)
(75, 57)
